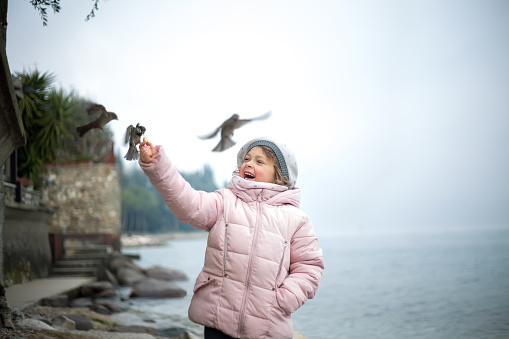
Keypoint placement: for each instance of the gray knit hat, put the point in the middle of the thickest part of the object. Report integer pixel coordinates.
(285, 157)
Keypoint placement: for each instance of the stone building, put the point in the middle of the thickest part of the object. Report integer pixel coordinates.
(86, 199)
(77, 202)
(81, 200)
(27, 248)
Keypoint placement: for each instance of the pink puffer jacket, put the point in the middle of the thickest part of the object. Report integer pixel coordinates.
(262, 260)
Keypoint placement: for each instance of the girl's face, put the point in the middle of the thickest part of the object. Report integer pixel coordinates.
(257, 166)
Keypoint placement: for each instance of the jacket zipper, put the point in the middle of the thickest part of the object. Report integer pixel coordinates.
(249, 269)
(225, 248)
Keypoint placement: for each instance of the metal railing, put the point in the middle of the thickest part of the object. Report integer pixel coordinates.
(16, 194)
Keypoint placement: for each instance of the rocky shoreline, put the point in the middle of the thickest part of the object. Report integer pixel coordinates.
(101, 310)
(96, 310)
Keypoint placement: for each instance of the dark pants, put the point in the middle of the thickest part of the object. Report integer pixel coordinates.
(212, 333)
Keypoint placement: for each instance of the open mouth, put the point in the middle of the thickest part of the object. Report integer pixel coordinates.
(248, 176)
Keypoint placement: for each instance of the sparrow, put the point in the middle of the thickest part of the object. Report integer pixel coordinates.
(99, 114)
(133, 138)
(227, 128)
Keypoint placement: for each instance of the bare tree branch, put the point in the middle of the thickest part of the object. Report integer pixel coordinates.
(43, 5)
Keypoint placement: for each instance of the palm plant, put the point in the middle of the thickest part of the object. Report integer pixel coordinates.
(50, 117)
(46, 112)
(36, 86)
(53, 124)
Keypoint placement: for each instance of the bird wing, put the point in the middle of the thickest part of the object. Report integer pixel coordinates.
(94, 110)
(128, 133)
(211, 135)
(264, 116)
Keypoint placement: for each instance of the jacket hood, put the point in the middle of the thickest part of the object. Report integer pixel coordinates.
(271, 194)
(286, 158)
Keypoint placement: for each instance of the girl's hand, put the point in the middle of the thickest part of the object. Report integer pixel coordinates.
(147, 152)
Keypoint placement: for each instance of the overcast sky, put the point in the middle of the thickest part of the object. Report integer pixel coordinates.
(397, 111)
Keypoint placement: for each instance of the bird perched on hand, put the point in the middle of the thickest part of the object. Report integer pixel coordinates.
(133, 138)
(99, 115)
(227, 128)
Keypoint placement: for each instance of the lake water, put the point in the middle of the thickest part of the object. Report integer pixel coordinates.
(442, 284)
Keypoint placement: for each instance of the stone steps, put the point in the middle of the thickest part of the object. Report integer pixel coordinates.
(77, 263)
(81, 257)
(74, 271)
(84, 249)
(81, 260)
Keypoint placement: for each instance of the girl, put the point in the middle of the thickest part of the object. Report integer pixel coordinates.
(262, 260)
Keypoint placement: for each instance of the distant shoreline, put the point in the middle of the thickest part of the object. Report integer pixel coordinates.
(160, 239)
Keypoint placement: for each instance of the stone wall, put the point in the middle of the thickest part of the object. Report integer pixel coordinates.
(2, 223)
(26, 247)
(86, 198)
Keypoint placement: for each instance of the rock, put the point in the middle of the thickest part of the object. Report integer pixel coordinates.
(55, 301)
(82, 323)
(46, 321)
(111, 277)
(64, 323)
(35, 324)
(94, 334)
(135, 329)
(170, 332)
(100, 309)
(124, 298)
(163, 273)
(120, 261)
(80, 302)
(109, 293)
(189, 335)
(97, 289)
(5, 311)
(110, 305)
(155, 288)
(17, 314)
(128, 276)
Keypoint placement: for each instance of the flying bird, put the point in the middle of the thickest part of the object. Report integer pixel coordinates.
(133, 138)
(99, 115)
(227, 128)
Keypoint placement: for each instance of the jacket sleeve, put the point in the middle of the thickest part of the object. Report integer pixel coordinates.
(198, 208)
(306, 267)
